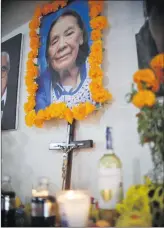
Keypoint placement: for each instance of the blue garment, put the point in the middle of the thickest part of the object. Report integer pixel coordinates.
(43, 95)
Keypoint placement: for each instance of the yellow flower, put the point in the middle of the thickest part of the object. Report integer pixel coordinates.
(68, 115)
(95, 72)
(94, 59)
(79, 112)
(148, 77)
(101, 95)
(99, 22)
(96, 34)
(48, 114)
(30, 118)
(28, 80)
(89, 108)
(144, 98)
(39, 120)
(95, 85)
(57, 110)
(150, 98)
(96, 46)
(30, 104)
(96, 54)
(31, 89)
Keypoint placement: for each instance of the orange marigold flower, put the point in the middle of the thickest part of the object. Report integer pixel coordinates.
(47, 8)
(33, 33)
(28, 80)
(68, 115)
(29, 105)
(95, 72)
(89, 108)
(40, 117)
(55, 5)
(150, 98)
(146, 76)
(31, 89)
(96, 47)
(99, 22)
(57, 110)
(96, 7)
(48, 114)
(95, 59)
(63, 3)
(157, 64)
(32, 71)
(34, 42)
(157, 61)
(30, 118)
(79, 112)
(38, 123)
(156, 86)
(95, 85)
(144, 98)
(96, 54)
(96, 34)
(38, 12)
(34, 23)
(139, 86)
(137, 100)
(101, 95)
(33, 54)
(29, 63)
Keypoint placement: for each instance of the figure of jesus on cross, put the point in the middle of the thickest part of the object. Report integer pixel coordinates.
(67, 150)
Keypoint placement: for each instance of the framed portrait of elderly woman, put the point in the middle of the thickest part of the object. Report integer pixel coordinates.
(65, 61)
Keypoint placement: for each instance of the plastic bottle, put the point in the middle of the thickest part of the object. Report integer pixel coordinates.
(7, 203)
(43, 204)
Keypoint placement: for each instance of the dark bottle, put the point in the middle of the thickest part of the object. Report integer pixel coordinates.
(7, 203)
(43, 206)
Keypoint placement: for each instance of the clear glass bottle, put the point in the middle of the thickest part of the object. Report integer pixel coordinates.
(7, 203)
(43, 203)
(109, 180)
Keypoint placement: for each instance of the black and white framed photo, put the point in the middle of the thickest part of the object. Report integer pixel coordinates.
(10, 77)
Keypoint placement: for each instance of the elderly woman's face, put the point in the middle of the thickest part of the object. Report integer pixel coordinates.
(65, 39)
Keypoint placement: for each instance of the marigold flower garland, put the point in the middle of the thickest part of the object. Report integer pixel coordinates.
(98, 92)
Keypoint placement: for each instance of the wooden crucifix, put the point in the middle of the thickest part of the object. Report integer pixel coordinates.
(67, 150)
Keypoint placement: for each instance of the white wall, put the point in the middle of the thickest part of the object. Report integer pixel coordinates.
(25, 151)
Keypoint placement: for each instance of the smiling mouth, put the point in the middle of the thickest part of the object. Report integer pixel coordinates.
(63, 57)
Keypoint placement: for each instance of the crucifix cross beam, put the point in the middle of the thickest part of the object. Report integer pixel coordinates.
(67, 149)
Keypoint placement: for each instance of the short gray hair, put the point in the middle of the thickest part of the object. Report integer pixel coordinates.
(4, 53)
